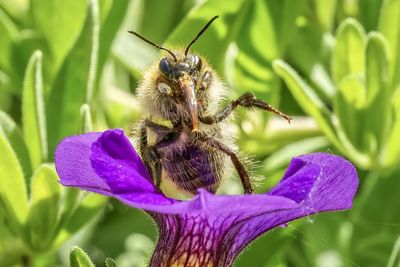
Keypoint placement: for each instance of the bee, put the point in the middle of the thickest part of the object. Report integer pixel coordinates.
(180, 97)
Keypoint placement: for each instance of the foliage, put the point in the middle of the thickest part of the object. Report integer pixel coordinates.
(364, 117)
(68, 67)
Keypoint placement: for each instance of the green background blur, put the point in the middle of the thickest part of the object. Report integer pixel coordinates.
(68, 67)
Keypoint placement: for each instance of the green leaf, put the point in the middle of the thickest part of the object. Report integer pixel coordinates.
(69, 202)
(284, 15)
(325, 11)
(171, 15)
(11, 248)
(86, 119)
(109, 28)
(104, 9)
(348, 106)
(87, 209)
(308, 100)
(278, 133)
(44, 207)
(33, 114)
(13, 195)
(376, 66)
(369, 13)
(75, 83)
(395, 255)
(389, 26)
(17, 9)
(9, 129)
(78, 258)
(9, 34)
(348, 55)
(27, 44)
(271, 246)
(252, 69)
(315, 45)
(378, 90)
(392, 151)
(95, 35)
(141, 53)
(60, 22)
(281, 158)
(367, 207)
(312, 105)
(110, 263)
(307, 39)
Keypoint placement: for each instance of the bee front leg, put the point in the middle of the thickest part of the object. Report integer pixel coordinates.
(241, 170)
(247, 100)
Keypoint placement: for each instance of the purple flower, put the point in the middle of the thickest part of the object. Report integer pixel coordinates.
(208, 230)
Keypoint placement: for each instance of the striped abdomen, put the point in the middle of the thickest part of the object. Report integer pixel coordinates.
(193, 168)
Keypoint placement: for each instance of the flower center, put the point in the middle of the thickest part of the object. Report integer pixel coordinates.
(190, 242)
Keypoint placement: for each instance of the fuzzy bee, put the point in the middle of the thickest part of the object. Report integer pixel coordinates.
(183, 139)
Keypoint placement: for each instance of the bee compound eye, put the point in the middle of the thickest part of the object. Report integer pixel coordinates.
(194, 61)
(183, 66)
(198, 62)
(166, 68)
(164, 88)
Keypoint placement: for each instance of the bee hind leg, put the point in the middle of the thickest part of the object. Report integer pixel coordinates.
(241, 170)
(247, 100)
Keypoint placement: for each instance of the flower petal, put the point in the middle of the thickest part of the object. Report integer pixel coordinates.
(72, 160)
(114, 159)
(107, 163)
(322, 181)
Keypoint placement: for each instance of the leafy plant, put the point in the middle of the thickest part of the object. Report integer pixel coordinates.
(361, 117)
(37, 214)
(62, 62)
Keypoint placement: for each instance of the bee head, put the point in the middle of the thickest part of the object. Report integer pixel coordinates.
(172, 70)
(178, 83)
(182, 77)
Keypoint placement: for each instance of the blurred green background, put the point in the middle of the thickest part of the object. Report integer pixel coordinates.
(68, 67)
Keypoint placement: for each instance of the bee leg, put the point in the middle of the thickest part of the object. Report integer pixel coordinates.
(150, 154)
(247, 100)
(153, 163)
(151, 158)
(159, 129)
(143, 146)
(241, 170)
(157, 171)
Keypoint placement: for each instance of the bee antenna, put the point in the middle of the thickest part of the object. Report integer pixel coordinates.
(153, 44)
(199, 34)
